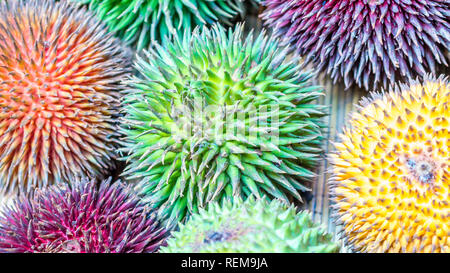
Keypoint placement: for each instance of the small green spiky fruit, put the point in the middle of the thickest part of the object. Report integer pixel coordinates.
(214, 116)
(248, 227)
(139, 22)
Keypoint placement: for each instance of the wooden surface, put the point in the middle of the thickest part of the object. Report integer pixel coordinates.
(341, 103)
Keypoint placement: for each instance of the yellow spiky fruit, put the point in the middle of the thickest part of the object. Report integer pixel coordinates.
(390, 179)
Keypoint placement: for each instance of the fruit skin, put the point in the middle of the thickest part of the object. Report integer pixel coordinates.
(60, 76)
(81, 218)
(364, 42)
(391, 171)
(142, 22)
(253, 226)
(182, 155)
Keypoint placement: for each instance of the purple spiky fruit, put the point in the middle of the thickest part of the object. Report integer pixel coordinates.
(366, 42)
(82, 217)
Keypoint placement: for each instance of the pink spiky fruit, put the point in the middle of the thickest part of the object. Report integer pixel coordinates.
(81, 218)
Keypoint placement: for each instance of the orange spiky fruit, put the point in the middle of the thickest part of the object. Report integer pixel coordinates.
(60, 73)
(391, 171)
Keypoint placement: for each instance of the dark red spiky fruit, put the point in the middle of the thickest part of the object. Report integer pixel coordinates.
(80, 218)
(60, 74)
(367, 42)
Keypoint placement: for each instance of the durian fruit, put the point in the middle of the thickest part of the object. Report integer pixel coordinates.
(141, 22)
(82, 218)
(365, 42)
(213, 116)
(253, 226)
(60, 73)
(391, 171)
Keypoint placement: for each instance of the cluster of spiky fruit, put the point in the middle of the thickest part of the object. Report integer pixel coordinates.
(81, 218)
(249, 227)
(391, 171)
(366, 42)
(141, 22)
(214, 116)
(60, 73)
(216, 124)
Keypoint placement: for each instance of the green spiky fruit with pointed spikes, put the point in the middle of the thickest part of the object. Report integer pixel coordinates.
(249, 227)
(139, 22)
(215, 115)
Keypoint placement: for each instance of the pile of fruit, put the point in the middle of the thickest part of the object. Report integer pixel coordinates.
(172, 126)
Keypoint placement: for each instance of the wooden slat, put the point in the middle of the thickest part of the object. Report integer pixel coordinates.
(341, 103)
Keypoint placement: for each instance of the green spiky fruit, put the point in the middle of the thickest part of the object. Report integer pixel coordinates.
(139, 22)
(249, 227)
(215, 116)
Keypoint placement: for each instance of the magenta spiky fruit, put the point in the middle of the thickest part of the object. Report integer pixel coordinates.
(367, 42)
(80, 217)
(60, 77)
